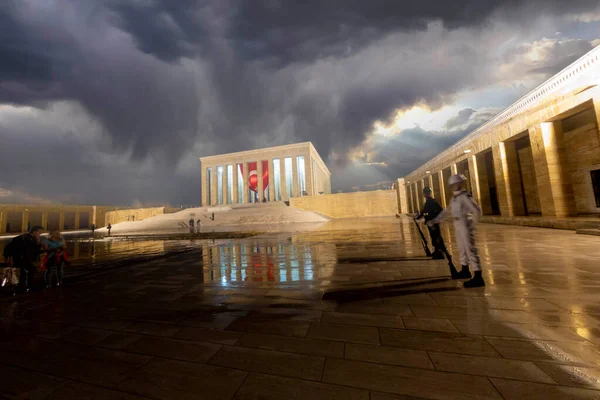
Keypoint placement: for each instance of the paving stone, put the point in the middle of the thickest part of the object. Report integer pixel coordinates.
(171, 379)
(408, 381)
(513, 390)
(568, 353)
(270, 362)
(343, 333)
(18, 383)
(489, 366)
(388, 321)
(429, 324)
(186, 350)
(568, 375)
(271, 326)
(437, 341)
(208, 335)
(293, 345)
(78, 391)
(388, 355)
(268, 387)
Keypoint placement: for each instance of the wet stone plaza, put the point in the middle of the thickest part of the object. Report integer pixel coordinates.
(351, 310)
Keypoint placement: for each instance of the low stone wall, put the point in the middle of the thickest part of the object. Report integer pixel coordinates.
(377, 203)
(136, 214)
(571, 224)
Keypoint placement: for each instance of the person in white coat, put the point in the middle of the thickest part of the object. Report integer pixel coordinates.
(465, 214)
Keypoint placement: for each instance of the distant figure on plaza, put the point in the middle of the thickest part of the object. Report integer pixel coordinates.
(198, 226)
(191, 224)
(93, 228)
(56, 256)
(432, 209)
(465, 213)
(109, 227)
(22, 252)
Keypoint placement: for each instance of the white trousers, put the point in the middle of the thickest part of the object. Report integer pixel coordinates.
(465, 238)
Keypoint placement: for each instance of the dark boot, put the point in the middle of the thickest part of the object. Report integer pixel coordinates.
(453, 272)
(464, 273)
(477, 281)
(437, 255)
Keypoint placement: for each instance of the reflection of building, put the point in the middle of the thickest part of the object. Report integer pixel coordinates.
(272, 174)
(540, 156)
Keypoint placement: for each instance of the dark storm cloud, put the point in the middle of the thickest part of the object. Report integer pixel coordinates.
(164, 79)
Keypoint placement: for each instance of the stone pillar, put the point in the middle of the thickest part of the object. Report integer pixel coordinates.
(402, 198)
(271, 181)
(508, 179)
(409, 197)
(552, 170)
(415, 189)
(61, 222)
(234, 189)
(284, 192)
(213, 187)
(225, 185)
(246, 176)
(77, 219)
(3, 221)
(483, 184)
(295, 176)
(260, 185)
(453, 169)
(474, 177)
(203, 179)
(25, 221)
(433, 192)
(45, 220)
(442, 196)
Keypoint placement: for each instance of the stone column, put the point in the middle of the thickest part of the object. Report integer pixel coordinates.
(485, 200)
(203, 179)
(260, 185)
(77, 220)
(284, 193)
(25, 221)
(61, 222)
(3, 221)
(402, 198)
(442, 197)
(295, 176)
(45, 220)
(454, 169)
(234, 188)
(213, 186)
(474, 177)
(552, 170)
(271, 181)
(415, 189)
(225, 185)
(508, 179)
(409, 197)
(246, 176)
(430, 184)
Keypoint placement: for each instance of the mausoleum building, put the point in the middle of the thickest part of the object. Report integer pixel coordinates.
(269, 174)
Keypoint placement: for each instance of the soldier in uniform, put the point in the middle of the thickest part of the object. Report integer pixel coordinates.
(465, 213)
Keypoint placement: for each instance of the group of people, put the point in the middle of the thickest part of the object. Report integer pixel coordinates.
(465, 214)
(23, 252)
(198, 225)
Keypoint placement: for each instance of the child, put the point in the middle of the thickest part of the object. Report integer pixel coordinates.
(465, 213)
(55, 257)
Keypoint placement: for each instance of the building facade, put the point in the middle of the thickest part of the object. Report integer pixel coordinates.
(540, 156)
(269, 174)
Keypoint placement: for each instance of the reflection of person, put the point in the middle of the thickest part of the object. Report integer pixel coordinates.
(191, 224)
(55, 257)
(198, 226)
(465, 213)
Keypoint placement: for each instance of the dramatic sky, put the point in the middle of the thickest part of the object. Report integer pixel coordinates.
(114, 101)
